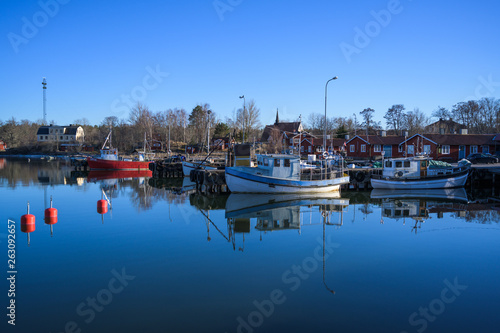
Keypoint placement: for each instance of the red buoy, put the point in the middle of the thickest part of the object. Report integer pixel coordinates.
(28, 223)
(51, 217)
(102, 206)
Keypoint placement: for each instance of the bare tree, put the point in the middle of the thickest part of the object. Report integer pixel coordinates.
(367, 115)
(141, 119)
(441, 113)
(247, 119)
(275, 140)
(395, 116)
(415, 121)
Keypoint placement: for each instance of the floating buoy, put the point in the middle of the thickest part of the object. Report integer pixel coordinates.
(28, 223)
(51, 217)
(102, 206)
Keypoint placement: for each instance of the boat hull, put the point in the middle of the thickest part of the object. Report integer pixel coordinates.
(450, 181)
(241, 182)
(188, 166)
(101, 164)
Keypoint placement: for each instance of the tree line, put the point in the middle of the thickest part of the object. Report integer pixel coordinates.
(478, 116)
(161, 127)
(180, 126)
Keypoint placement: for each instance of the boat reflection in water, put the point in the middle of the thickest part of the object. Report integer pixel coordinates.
(109, 181)
(416, 204)
(275, 212)
(282, 212)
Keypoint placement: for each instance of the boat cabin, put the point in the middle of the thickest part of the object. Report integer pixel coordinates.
(416, 167)
(278, 166)
(110, 154)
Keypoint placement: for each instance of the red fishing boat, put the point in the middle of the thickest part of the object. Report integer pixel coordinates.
(109, 159)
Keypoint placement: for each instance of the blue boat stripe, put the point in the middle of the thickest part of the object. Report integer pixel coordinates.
(274, 181)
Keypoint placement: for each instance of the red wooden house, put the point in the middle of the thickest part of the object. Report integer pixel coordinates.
(447, 147)
(372, 146)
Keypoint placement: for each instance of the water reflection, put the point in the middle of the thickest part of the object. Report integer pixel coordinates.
(279, 212)
(418, 206)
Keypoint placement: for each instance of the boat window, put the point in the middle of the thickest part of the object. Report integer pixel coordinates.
(399, 164)
(406, 212)
(266, 162)
(388, 164)
(276, 162)
(407, 164)
(287, 162)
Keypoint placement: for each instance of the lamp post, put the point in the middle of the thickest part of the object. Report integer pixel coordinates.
(326, 93)
(244, 115)
(208, 132)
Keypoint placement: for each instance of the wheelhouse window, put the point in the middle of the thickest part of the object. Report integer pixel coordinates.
(388, 164)
(399, 164)
(287, 162)
(445, 149)
(266, 162)
(407, 164)
(276, 162)
(377, 148)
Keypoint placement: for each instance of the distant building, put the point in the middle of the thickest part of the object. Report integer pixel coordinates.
(443, 126)
(283, 127)
(54, 133)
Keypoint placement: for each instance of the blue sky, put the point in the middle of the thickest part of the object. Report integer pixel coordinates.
(169, 54)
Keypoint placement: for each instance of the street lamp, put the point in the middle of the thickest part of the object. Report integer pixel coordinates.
(244, 114)
(208, 132)
(324, 131)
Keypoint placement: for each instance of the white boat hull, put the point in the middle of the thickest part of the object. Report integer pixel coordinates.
(242, 182)
(188, 166)
(427, 183)
(444, 194)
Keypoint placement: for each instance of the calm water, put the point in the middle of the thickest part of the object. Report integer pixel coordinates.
(174, 261)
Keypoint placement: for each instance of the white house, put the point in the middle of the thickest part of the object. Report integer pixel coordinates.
(54, 133)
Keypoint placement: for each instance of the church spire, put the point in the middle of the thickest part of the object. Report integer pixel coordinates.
(277, 117)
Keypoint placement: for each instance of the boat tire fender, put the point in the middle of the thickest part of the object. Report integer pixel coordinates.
(360, 176)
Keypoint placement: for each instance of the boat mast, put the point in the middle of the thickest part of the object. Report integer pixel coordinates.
(108, 138)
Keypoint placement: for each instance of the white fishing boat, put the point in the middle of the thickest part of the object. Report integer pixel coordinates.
(278, 173)
(208, 164)
(419, 172)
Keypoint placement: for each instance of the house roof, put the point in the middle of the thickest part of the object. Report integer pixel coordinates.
(283, 127)
(68, 130)
(457, 139)
(380, 140)
(443, 123)
(42, 130)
